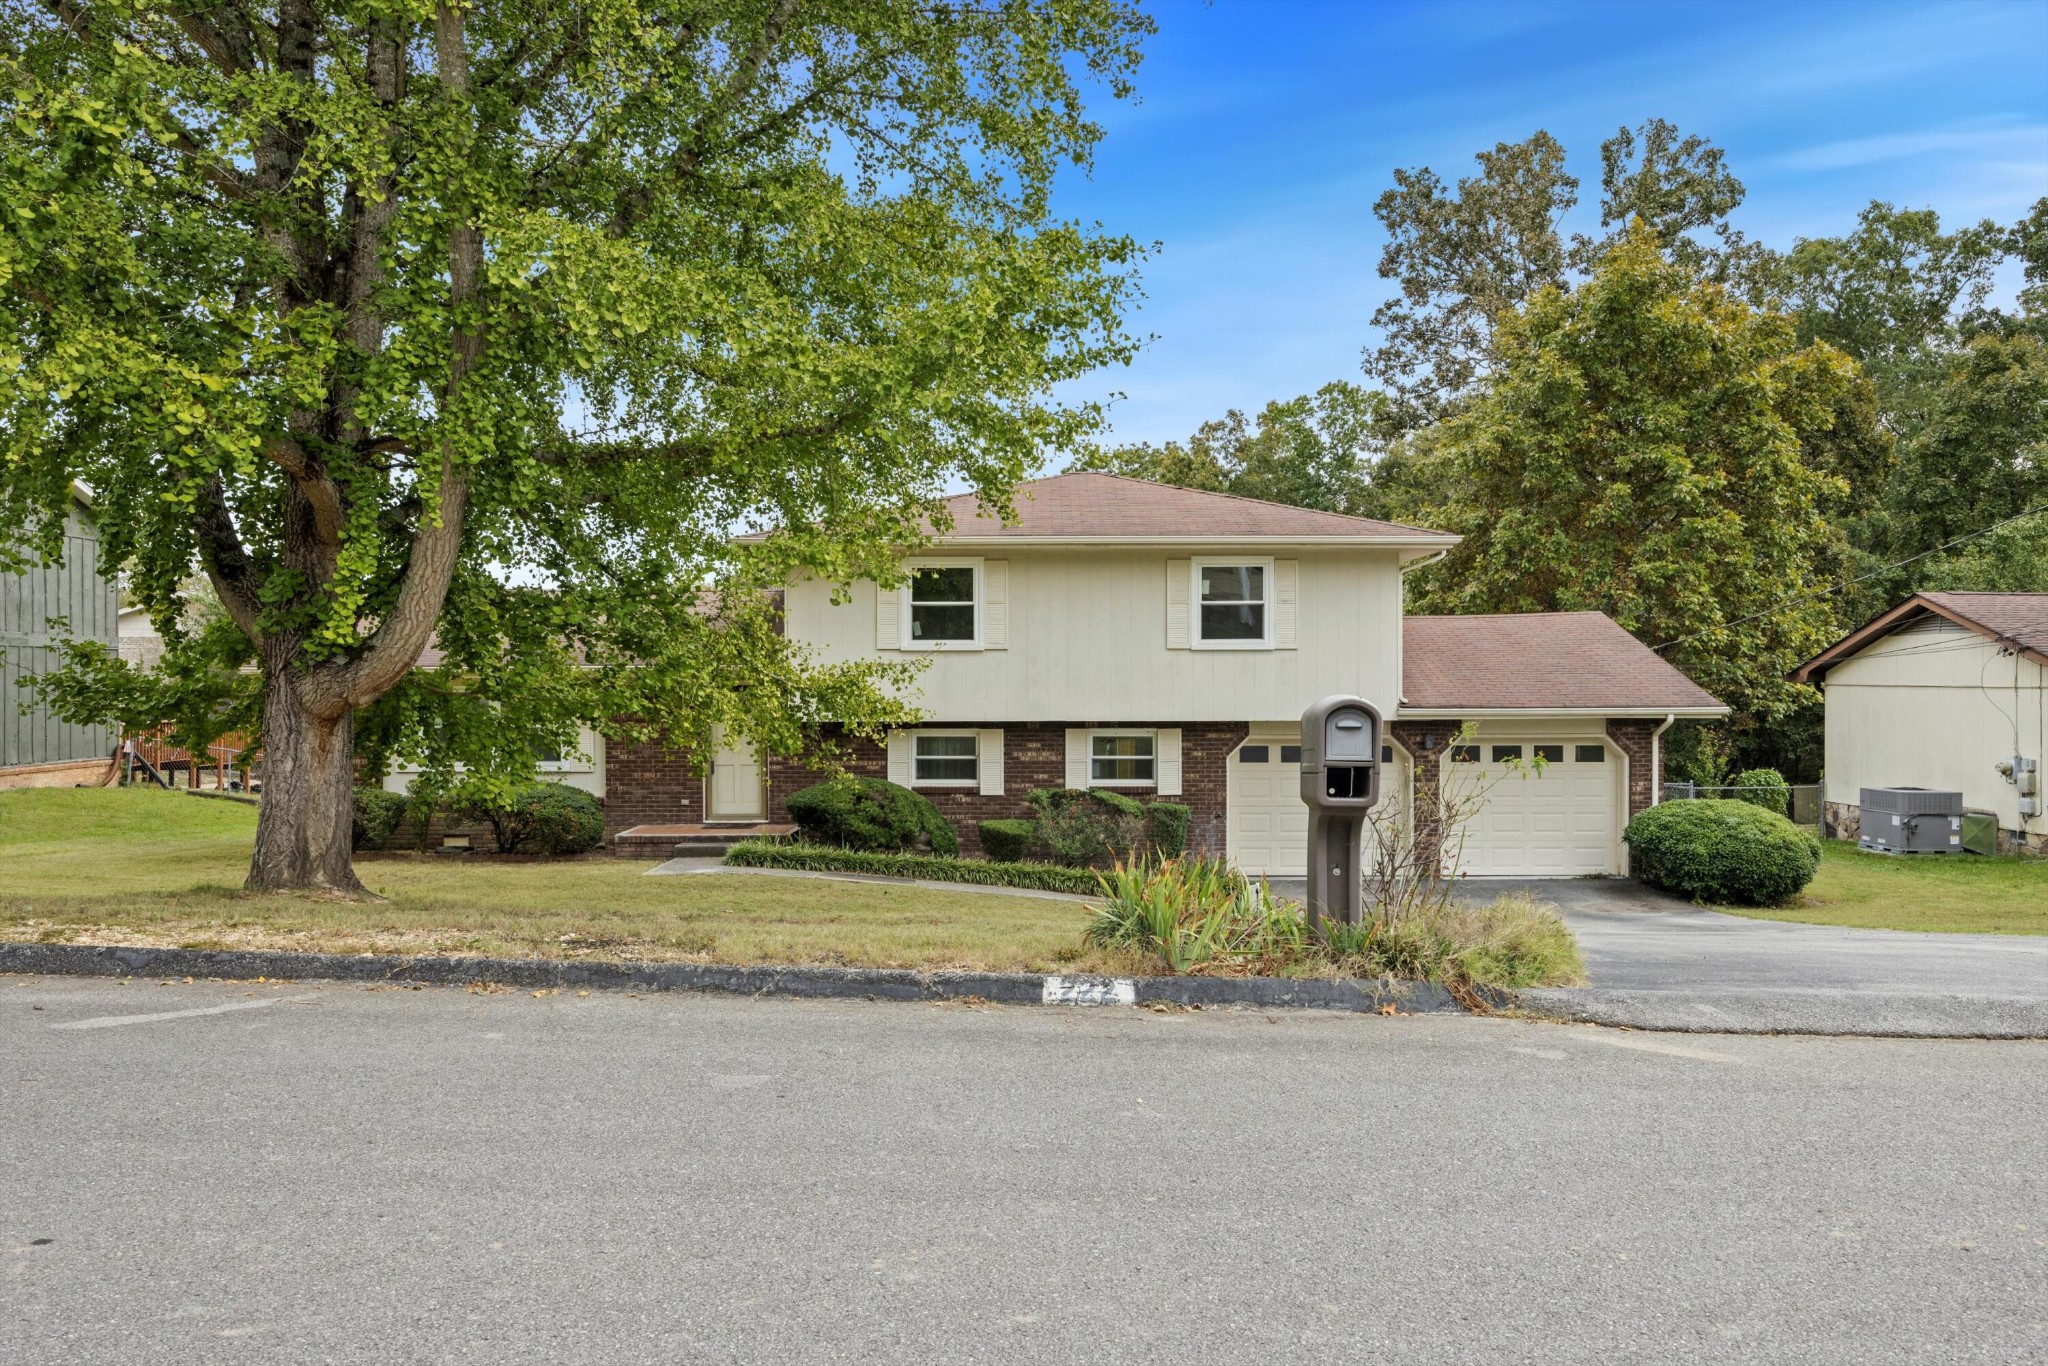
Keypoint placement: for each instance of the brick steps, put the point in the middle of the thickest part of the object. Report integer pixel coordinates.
(693, 841)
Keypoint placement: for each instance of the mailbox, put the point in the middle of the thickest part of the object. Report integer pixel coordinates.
(1340, 780)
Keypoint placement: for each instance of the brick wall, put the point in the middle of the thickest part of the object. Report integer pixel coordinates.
(647, 783)
(1426, 743)
(1035, 755)
(1633, 739)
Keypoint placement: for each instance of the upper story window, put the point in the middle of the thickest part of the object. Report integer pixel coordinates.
(1234, 604)
(944, 605)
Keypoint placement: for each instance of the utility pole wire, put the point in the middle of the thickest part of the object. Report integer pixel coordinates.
(1838, 587)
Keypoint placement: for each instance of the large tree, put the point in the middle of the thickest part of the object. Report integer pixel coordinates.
(1315, 451)
(491, 321)
(1642, 451)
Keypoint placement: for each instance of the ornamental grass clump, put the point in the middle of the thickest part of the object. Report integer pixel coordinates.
(1198, 915)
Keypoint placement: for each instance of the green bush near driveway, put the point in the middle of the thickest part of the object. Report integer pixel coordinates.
(817, 858)
(1764, 787)
(871, 814)
(1722, 851)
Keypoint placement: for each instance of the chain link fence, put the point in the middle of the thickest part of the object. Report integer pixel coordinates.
(1804, 807)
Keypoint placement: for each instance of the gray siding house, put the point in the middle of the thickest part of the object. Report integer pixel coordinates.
(35, 747)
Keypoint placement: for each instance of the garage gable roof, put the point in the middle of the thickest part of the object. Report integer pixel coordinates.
(2018, 620)
(1540, 662)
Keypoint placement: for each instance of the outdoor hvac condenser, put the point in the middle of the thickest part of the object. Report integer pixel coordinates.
(1911, 820)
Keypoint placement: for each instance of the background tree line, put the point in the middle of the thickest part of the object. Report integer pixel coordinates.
(1737, 451)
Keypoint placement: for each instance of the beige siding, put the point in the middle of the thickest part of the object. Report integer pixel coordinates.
(1934, 708)
(1088, 642)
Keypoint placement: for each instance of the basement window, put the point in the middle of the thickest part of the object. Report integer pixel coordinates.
(945, 761)
(1122, 760)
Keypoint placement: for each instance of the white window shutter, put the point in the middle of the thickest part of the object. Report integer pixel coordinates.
(1178, 574)
(900, 742)
(888, 618)
(995, 605)
(1166, 760)
(1077, 758)
(1286, 602)
(988, 762)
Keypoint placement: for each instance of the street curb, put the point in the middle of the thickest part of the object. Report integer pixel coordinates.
(1820, 1011)
(1281, 993)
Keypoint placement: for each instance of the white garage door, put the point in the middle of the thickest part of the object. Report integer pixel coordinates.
(1561, 822)
(1268, 819)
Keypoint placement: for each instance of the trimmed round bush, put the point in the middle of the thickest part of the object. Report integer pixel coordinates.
(1166, 828)
(562, 819)
(1765, 787)
(871, 813)
(377, 814)
(1086, 827)
(1732, 852)
(1008, 841)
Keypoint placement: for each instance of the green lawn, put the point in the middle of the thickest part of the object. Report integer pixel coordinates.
(1958, 893)
(142, 866)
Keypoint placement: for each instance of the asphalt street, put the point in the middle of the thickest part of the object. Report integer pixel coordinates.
(308, 1173)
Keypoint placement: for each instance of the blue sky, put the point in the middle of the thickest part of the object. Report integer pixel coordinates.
(1266, 128)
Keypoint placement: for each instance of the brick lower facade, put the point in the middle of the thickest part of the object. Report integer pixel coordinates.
(648, 783)
(1035, 756)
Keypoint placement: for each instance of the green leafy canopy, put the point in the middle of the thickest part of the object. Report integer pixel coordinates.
(490, 323)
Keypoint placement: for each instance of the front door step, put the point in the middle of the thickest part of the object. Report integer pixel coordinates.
(694, 841)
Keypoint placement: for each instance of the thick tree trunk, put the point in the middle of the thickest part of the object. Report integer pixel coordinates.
(306, 829)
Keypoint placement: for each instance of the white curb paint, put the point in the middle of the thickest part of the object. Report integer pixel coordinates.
(112, 1021)
(1085, 991)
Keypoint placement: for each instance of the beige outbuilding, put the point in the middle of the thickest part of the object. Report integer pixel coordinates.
(1944, 691)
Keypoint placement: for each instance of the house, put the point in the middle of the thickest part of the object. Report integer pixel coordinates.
(1163, 642)
(36, 748)
(1944, 691)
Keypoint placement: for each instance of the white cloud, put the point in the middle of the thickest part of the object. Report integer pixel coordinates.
(2025, 143)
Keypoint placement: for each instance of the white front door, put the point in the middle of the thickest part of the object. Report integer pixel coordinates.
(1562, 822)
(735, 787)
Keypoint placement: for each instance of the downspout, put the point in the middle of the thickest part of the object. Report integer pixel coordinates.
(1657, 759)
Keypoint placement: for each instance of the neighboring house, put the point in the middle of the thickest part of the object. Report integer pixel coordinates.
(137, 639)
(1940, 692)
(1164, 642)
(37, 749)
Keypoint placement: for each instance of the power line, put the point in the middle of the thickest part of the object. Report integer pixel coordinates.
(1838, 587)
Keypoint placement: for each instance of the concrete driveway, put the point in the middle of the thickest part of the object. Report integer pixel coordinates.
(1661, 963)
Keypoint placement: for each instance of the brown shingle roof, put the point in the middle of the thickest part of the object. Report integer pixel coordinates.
(1083, 504)
(1538, 661)
(2016, 619)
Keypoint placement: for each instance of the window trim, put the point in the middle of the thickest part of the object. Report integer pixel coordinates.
(1113, 732)
(906, 607)
(974, 782)
(1196, 641)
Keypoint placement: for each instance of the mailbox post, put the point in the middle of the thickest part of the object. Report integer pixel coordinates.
(1340, 780)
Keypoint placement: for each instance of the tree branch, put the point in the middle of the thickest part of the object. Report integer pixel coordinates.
(227, 563)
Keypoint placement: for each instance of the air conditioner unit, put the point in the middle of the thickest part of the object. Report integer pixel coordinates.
(1910, 820)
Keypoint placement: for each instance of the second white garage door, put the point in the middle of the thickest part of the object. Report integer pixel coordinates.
(1562, 822)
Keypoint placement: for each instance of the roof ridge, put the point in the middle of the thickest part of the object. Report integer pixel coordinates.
(1234, 497)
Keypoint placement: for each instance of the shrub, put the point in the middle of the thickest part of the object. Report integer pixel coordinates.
(377, 816)
(1166, 829)
(1042, 877)
(1008, 841)
(1197, 915)
(562, 819)
(871, 814)
(1086, 827)
(1765, 787)
(1725, 851)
